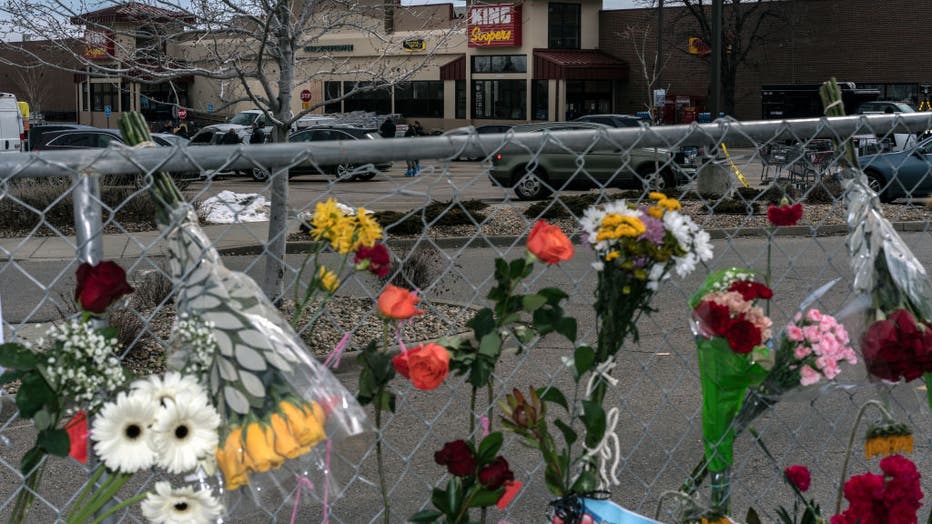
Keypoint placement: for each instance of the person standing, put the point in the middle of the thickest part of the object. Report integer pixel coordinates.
(387, 130)
(258, 135)
(230, 138)
(414, 166)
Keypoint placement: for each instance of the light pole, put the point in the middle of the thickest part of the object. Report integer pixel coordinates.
(716, 102)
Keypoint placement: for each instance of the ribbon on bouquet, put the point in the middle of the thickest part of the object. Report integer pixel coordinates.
(334, 356)
(304, 482)
(609, 448)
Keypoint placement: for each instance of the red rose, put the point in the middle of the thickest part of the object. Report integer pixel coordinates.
(494, 475)
(743, 336)
(549, 243)
(799, 477)
(99, 286)
(376, 259)
(785, 215)
(398, 303)
(751, 290)
(77, 435)
(714, 317)
(425, 366)
(897, 347)
(457, 456)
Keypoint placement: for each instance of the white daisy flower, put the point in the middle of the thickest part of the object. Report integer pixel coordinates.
(121, 433)
(685, 264)
(620, 207)
(678, 225)
(185, 431)
(180, 506)
(702, 245)
(168, 387)
(590, 221)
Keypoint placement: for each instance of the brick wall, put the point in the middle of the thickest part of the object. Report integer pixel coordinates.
(863, 41)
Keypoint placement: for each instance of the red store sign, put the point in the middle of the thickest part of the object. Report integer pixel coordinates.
(495, 26)
(98, 45)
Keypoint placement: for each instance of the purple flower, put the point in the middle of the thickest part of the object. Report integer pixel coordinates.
(654, 229)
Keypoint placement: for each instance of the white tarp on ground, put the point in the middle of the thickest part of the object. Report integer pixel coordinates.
(228, 207)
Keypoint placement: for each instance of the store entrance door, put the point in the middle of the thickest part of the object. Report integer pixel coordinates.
(588, 97)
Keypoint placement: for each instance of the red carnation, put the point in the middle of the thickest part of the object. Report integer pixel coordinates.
(743, 336)
(751, 290)
(898, 347)
(376, 259)
(99, 286)
(892, 498)
(785, 215)
(457, 456)
(494, 475)
(799, 477)
(713, 316)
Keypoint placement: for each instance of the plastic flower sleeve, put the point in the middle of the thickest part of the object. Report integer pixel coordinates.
(285, 416)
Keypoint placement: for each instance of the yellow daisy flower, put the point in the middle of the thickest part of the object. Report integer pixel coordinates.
(328, 279)
(612, 255)
(655, 211)
(326, 218)
(670, 204)
(657, 195)
(368, 231)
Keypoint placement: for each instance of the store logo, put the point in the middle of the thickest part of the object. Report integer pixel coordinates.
(495, 26)
(414, 44)
(98, 45)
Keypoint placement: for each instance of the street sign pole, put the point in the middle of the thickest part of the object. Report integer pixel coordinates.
(716, 95)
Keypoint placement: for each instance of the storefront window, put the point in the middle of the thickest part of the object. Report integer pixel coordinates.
(499, 64)
(499, 99)
(460, 94)
(539, 102)
(332, 92)
(377, 100)
(563, 26)
(158, 102)
(103, 95)
(420, 98)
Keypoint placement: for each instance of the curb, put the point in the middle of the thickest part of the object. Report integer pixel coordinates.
(294, 248)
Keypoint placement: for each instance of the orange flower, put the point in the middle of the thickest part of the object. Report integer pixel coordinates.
(398, 303)
(549, 244)
(286, 444)
(426, 366)
(230, 460)
(306, 425)
(260, 448)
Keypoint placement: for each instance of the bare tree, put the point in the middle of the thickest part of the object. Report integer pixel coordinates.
(33, 83)
(249, 51)
(651, 67)
(746, 25)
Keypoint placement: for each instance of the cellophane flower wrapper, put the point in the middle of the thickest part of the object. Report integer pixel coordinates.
(892, 289)
(285, 416)
(725, 376)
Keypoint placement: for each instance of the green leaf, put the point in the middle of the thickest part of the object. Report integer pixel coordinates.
(568, 434)
(517, 269)
(42, 419)
(752, 517)
(585, 482)
(489, 448)
(480, 373)
(425, 516)
(109, 332)
(484, 497)
(482, 323)
(491, 346)
(554, 395)
(533, 302)
(554, 481)
(566, 326)
(784, 515)
(30, 460)
(501, 269)
(13, 374)
(553, 295)
(17, 356)
(454, 494)
(583, 360)
(33, 394)
(439, 498)
(594, 419)
(54, 442)
(386, 400)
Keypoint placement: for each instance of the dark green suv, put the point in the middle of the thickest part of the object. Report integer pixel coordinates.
(536, 176)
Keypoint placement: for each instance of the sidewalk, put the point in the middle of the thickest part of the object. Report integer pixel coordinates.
(133, 244)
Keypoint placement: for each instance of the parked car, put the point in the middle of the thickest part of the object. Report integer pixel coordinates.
(489, 129)
(344, 171)
(169, 140)
(890, 141)
(85, 137)
(686, 156)
(901, 174)
(536, 176)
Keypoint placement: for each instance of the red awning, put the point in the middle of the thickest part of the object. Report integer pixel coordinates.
(454, 69)
(578, 64)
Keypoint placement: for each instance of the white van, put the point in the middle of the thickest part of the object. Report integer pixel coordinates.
(11, 125)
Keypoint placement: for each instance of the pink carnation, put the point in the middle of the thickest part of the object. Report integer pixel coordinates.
(808, 376)
(801, 352)
(794, 333)
(812, 334)
(813, 315)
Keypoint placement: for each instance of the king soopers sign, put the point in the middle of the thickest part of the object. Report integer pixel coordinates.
(495, 26)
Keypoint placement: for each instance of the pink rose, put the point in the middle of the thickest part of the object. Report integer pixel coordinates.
(794, 333)
(813, 315)
(808, 376)
(801, 352)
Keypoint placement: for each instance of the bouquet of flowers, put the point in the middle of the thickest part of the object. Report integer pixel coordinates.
(277, 404)
(732, 333)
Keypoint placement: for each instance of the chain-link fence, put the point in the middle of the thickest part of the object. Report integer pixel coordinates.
(444, 227)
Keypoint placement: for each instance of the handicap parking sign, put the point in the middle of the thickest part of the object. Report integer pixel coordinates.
(107, 111)
(210, 108)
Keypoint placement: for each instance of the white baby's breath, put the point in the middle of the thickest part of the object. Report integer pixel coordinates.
(82, 364)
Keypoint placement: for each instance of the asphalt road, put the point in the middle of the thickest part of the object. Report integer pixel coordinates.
(658, 393)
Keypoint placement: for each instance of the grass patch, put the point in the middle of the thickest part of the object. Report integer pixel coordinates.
(28, 203)
(460, 213)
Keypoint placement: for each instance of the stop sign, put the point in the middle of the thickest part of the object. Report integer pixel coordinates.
(182, 113)
(306, 95)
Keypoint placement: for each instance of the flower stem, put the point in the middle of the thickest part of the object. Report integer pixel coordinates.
(121, 505)
(27, 495)
(85, 491)
(769, 259)
(378, 455)
(107, 490)
(472, 413)
(854, 432)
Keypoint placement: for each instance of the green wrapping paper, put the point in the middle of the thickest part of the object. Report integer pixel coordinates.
(726, 377)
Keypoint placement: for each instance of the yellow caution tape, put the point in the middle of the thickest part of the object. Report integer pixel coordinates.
(734, 167)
